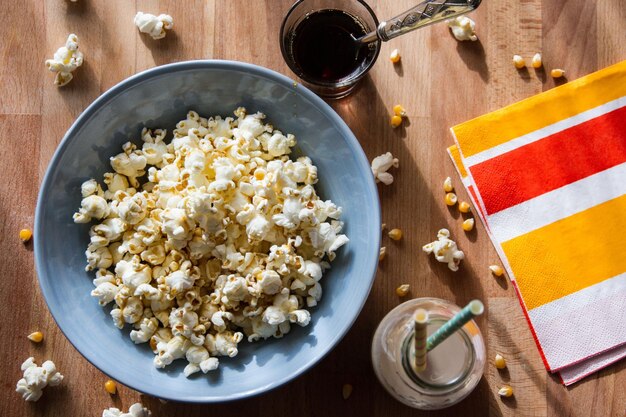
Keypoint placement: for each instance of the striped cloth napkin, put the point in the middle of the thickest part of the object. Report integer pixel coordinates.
(548, 176)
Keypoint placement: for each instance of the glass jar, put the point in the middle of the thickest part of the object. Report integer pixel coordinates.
(453, 369)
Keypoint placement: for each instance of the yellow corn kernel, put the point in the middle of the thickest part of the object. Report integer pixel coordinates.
(403, 290)
(464, 207)
(468, 225)
(394, 56)
(496, 270)
(519, 62)
(505, 391)
(396, 121)
(499, 361)
(36, 337)
(395, 234)
(383, 226)
(450, 199)
(110, 387)
(382, 253)
(536, 61)
(447, 185)
(346, 391)
(398, 110)
(25, 235)
(557, 73)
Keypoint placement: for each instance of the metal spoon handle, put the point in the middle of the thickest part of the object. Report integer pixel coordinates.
(426, 13)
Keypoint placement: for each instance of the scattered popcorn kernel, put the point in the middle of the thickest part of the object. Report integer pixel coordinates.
(155, 26)
(382, 254)
(462, 28)
(395, 234)
(135, 410)
(398, 110)
(110, 387)
(499, 361)
(464, 207)
(450, 199)
(519, 62)
(403, 290)
(36, 378)
(381, 164)
(505, 391)
(25, 235)
(346, 391)
(36, 337)
(445, 250)
(536, 61)
(394, 56)
(66, 59)
(383, 226)
(447, 185)
(468, 225)
(496, 270)
(557, 73)
(396, 121)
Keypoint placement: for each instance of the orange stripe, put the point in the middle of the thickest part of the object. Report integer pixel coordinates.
(541, 110)
(456, 159)
(571, 254)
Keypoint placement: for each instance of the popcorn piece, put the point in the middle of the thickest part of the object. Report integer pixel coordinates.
(135, 410)
(445, 250)
(65, 61)
(155, 26)
(36, 378)
(91, 207)
(462, 28)
(380, 166)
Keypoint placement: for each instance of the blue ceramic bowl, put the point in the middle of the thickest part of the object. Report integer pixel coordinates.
(159, 98)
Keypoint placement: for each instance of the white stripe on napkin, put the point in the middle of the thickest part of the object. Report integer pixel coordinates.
(582, 324)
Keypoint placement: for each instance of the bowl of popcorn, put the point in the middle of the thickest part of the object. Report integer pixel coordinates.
(189, 223)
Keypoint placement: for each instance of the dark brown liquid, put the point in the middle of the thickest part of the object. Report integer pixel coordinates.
(323, 45)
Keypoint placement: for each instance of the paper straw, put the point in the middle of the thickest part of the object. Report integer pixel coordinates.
(474, 308)
(421, 323)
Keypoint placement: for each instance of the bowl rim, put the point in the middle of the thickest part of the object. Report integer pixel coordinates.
(136, 79)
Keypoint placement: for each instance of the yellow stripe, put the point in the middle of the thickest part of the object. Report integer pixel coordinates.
(456, 158)
(542, 110)
(570, 254)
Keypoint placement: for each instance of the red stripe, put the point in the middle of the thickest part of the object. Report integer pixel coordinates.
(552, 162)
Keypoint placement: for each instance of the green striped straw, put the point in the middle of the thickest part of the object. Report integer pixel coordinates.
(473, 309)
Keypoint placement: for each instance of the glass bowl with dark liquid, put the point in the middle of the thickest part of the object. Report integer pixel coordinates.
(317, 40)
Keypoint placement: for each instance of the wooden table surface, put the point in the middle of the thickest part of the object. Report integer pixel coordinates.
(440, 82)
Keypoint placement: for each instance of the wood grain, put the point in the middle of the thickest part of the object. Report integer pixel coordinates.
(440, 82)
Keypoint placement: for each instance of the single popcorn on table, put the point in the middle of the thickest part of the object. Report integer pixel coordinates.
(462, 28)
(36, 378)
(211, 238)
(155, 26)
(381, 164)
(445, 250)
(135, 410)
(65, 61)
